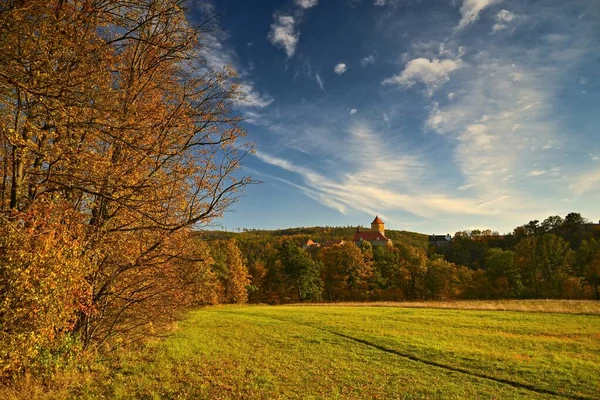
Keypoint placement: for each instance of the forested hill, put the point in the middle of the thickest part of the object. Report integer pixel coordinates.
(320, 234)
(556, 258)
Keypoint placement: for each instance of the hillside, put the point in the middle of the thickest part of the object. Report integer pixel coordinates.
(319, 234)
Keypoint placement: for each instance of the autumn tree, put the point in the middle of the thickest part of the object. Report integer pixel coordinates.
(232, 272)
(345, 273)
(110, 116)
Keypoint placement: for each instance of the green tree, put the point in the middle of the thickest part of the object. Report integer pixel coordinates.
(587, 264)
(413, 264)
(503, 273)
(440, 279)
(544, 262)
(573, 229)
(302, 271)
(388, 279)
(552, 224)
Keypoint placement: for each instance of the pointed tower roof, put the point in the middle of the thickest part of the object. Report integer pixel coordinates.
(377, 220)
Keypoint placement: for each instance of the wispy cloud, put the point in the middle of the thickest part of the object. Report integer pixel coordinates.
(586, 182)
(377, 180)
(248, 96)
(470, 11)
(432, 73)
(370, 59)
(320, 81)
(217, 57)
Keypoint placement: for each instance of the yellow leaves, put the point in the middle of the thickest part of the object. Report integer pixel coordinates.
(124, 145)
(41, 280)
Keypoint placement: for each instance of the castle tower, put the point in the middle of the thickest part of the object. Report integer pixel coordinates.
(378, 225)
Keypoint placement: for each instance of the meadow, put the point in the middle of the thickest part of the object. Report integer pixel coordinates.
(355, 352)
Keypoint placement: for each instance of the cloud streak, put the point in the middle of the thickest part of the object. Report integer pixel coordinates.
(378, 180)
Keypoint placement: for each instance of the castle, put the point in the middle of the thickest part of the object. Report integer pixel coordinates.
(375, 236)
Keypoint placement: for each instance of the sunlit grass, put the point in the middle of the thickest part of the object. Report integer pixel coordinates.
(550, 306)
(354, 352)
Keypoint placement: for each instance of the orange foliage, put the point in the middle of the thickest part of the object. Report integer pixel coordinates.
(111, 127)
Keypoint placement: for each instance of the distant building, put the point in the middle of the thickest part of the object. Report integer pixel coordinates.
(310, 245)
(375, 236)
(440, 240)
(334, 242)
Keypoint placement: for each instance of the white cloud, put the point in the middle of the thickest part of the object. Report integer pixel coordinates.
(470, 11)
(432, 73)
(283, 34)
(306, 3)
(284, 31)
(370, 59)
(340, 68)
(353, 111)
(536, 172)
(503, 18)
(379, 3)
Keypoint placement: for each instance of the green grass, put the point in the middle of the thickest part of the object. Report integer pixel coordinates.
(357, 352)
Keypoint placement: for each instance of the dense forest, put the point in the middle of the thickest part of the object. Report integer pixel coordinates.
(555, 258)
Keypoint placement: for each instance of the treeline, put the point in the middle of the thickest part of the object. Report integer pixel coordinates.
(317, 233)
(557, 258)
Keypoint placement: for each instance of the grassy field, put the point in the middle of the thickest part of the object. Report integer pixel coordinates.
(351, 352)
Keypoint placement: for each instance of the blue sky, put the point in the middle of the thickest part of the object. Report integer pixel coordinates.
(438, 116)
